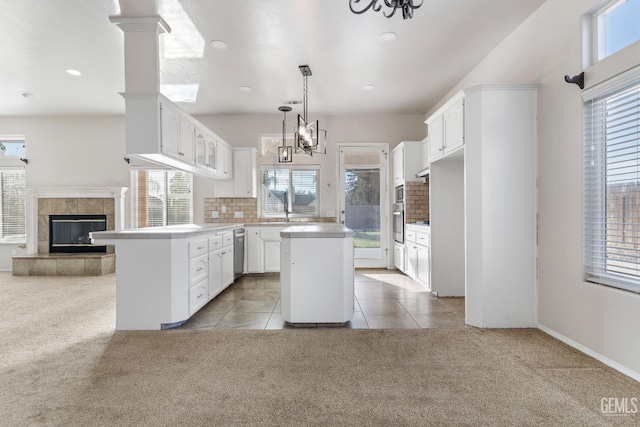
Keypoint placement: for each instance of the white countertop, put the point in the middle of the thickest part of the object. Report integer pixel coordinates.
(168, 232)
(328, 230)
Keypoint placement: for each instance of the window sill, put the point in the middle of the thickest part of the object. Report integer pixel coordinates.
(611, 66)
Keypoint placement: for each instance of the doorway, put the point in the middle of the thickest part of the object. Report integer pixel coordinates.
(363, 201)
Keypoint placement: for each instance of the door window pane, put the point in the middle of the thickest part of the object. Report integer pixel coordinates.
(362, 210)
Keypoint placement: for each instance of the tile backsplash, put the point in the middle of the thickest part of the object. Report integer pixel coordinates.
(249, 209)
(416, 201)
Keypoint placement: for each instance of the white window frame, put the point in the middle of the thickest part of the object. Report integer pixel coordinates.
(13, 239)
(594, 195)
(134, 194)
(597, 32)
(290, 169)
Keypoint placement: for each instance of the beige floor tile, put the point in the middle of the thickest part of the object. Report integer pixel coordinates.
(254, 306)
(380, 306)
(397, 320)
(440, 320)
(244, 321)
(259, 294)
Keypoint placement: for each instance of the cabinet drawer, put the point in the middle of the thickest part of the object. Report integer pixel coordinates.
(198, 269)
(197, 248)
(227, 239)
(410, 236)
(198, 296)
(215, 243)
(422, 238)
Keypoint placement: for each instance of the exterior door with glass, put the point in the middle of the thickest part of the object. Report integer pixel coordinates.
(363, 201)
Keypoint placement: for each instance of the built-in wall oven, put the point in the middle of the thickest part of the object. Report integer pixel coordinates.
(398, 222)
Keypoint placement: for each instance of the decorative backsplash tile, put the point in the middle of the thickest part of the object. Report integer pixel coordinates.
(249, 209)
(416, 201)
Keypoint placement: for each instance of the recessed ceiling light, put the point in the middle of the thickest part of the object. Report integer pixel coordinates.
(218, 44)
(368, 87)
(387, 37)
(74, 72)
(245, 88)
(26, 94)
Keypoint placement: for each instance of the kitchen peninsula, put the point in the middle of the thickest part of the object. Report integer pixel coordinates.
(164, 275)
(317, 274)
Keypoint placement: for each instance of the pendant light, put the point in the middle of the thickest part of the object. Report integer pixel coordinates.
(309, 138)
(285, 152)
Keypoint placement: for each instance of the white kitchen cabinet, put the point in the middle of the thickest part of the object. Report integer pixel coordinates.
(424, 145)
(398, 256)
(483, 207)
(255, 258)
(271, 256)
(224, 159)
(407, 161)
(446, 128)
(263, 248)
(245, 170)
(166, 274)
(418, 259)
(159, 132)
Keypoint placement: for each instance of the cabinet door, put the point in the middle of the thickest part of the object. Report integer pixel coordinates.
(454, 126)
(242, 174)
(412, 261)
(224, 159)
(423, 272)
(254, 250)
(170, 125)
(436, 138)
(398, 256)
(211, 153)
(227, 266)
(271, 256)
(425, 153)
(201, 149)
(187, 136)
(215, 273)
(398, 165)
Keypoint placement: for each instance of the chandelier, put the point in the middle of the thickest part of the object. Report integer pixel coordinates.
(407, 6)
(309, 138)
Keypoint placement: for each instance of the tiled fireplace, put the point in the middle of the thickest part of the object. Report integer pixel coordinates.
(45, 203)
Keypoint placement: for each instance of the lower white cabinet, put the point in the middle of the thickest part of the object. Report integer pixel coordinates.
(398, 256)
(227, 266)
(418, 255)
(263, 248)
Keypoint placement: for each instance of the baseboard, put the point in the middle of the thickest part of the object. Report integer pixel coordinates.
(615, 365)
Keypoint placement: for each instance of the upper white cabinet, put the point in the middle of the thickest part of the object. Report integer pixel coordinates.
(244, 182)
(446, 128)
(159, 132)
(224, 159)
(407, 161)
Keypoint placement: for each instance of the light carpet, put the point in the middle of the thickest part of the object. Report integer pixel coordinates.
(63, 364)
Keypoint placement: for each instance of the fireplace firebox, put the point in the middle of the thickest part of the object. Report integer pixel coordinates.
(70, 233)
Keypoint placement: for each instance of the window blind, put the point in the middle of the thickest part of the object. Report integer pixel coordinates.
(300, 185)
(612, 188)
(12, 199)
(162, 198)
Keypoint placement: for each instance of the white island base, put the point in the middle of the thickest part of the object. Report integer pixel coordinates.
(317, 274)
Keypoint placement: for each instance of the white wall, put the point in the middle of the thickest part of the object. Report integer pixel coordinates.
(600, 320)
(245, 131)
(69, 152)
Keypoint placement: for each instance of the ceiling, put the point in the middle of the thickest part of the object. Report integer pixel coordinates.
(266, 42)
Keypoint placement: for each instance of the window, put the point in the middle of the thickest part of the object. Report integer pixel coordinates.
(612, 182)
(300, 185)
(12, 209)
(161, 198)
(615, 26)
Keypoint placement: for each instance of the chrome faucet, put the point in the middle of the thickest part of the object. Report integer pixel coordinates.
(286, 207)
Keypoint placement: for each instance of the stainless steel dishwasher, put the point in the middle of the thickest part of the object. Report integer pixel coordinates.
(238, 252)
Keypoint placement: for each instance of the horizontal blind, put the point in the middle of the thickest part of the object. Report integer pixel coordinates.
(162, 198)
(12, 198)
(612, 188)
(304, 192)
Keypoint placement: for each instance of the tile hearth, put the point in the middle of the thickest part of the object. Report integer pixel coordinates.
(84, 264)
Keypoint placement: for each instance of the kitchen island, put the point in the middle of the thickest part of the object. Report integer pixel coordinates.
(164, 275)
(317, 274)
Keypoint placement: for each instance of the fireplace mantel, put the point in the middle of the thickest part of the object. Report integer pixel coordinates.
(33, 194)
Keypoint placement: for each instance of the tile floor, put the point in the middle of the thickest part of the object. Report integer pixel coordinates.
(384, 299)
